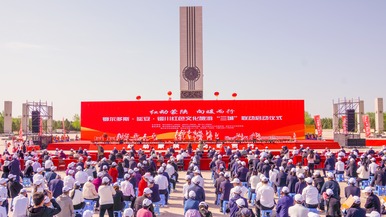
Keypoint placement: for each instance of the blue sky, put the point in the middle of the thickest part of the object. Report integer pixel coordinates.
(66, 52)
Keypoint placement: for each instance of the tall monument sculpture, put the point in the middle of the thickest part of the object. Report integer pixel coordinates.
(191, 66)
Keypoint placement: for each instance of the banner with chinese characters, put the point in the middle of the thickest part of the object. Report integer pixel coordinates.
(344, 123)
(191, 120)
(318, 124)
(366, 125)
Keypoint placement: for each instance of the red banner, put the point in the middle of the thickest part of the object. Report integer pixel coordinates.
(366, 125)
(344, 123)
(192, 120)
(318, 125)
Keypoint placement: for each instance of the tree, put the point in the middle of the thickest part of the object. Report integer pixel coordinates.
(308, 119)
(75, 124)
(326, 123)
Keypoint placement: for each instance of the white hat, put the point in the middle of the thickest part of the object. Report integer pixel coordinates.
(77, 183)
(240, 202)
(264, 179)
(66, 189)
(128, 212)
(136, 169)
(330, 175)
(69, 172)
(227, 175)
(237, 190)
(300, 176)
(290, 161)
(306, 168)
(196, 180)
(188, 177)
(357, 200)
(53, 168)
(126, 176)
(11, 176)
(298, 198)
(90, 178)
(40, 169)
(329, 192)
(160, 170)
(104, 167)
(105, 180)
(147, 191)
(88, 213)
(147, 175)
(352, 181)
(368, 190)
(197, 171)
(37, 182)
(78, 168)
(146, 202)
(309, 180)
(374, 214)
(116, 184)
(114, 164)
(130, 171)
(100, 174)
(192, 194)
(243, 163)
(23, 190)
(235, 180)
(285, 189)
(281, 168)
(292, 170)
(266, 162)
(317, 172)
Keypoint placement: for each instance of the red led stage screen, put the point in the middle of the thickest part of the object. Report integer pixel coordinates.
(192, 120)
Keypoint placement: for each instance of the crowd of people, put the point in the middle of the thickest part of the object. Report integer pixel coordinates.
(250, 183)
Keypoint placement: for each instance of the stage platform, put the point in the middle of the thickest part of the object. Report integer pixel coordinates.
(375, 142)
(163, 146)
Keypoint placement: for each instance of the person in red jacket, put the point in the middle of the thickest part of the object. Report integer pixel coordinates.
(143, 183)
(113, 172)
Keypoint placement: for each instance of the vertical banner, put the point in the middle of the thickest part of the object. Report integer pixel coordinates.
(64, 129)
(21, 131)
(318, 125)
(344, 123)
(41, 127)
(366, 125)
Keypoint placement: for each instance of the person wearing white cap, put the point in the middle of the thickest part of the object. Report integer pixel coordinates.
(330, 184)
(310, 194)
(138, 204)
(170, 170)
(339, 166)
(351, 169)
(106, 201)
(39, 208)
(13, 186)
(89, 191)
(237, 201)
(69, 180)
(333, 204)
(197, 175)
(200, 193)
(48, 164)
(186, 186)
(162, 183)
(372, 201)
(298, 210)
(36, 164)
(20, 204)
(300, 185)
(76, 195)
(373, 214)
(191, 202)
(363, 173)
(351, 189)
(127, 189)
(284, 203)
(65, 203)
(38, 175)
(355, 209)
(281, 180)
(145, 211)
(128, 212)
(81, 176)
(88, 213)
(236, 182)
(265, 196)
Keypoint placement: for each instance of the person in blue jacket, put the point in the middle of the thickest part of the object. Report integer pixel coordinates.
(284, 203)
(191, 203)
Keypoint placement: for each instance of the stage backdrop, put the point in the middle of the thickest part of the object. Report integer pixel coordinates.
(163, 118)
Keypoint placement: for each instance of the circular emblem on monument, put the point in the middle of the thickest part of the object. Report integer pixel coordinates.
(191, 73)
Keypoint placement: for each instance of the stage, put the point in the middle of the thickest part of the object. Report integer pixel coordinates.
(163, 146)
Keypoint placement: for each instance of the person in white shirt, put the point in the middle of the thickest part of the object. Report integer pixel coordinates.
(38, 175)
(186, 186)
(48, 164)
(36, 164)
(89, 191)
(171, 171)
(253, 181)
(20, 204)
(236, 182)
(197, 173)
(298, 210)
(265, 196)
(162, 183)
(339, 166)
(106, 201)
(363, 173)
(127, 189)
(77, 197)
(69, 181)
(81, 176)
(373, 167)
(310, 194)
(3, 212)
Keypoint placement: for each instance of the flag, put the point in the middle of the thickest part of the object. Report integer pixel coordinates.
(344, 123)
(21, 131)
(366, 125)
(318, 124)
